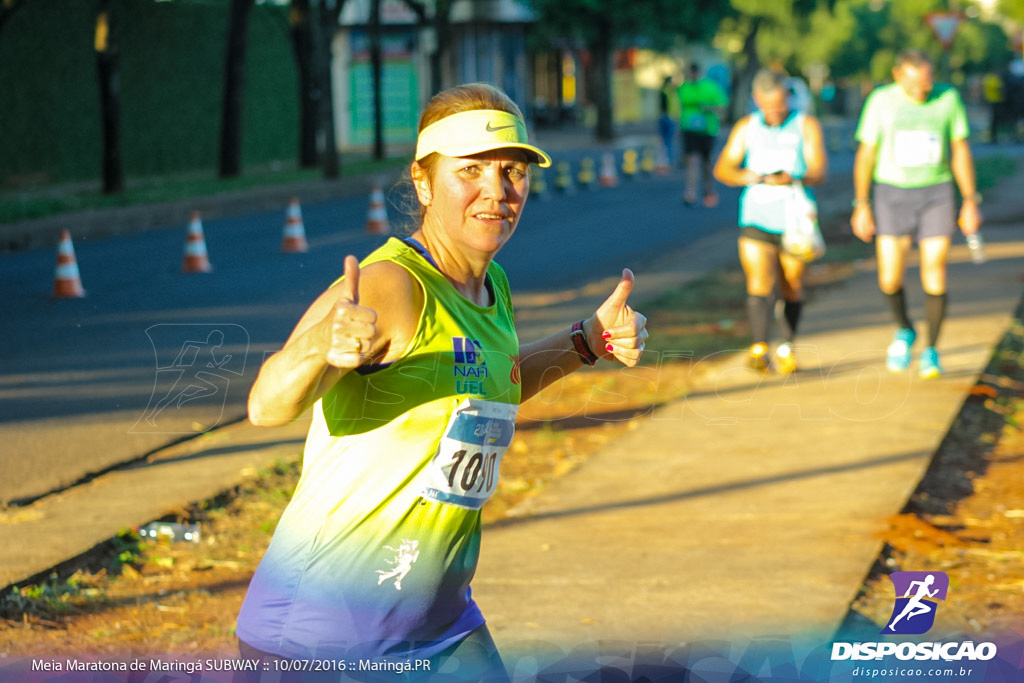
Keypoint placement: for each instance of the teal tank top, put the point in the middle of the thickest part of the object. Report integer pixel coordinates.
(770, 149)
(375, 552)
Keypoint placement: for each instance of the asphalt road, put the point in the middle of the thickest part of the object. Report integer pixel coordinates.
(152, 356)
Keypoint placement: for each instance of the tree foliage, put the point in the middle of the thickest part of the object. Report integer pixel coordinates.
(1012, 9)
(601, 26)
(854, 39)
(880, 30)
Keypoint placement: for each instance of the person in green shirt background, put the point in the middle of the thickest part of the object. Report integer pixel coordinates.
(702, 101)
(913, 145)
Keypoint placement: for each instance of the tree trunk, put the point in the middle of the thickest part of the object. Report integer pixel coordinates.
(304, 47)
(744, 77)
(234, 89)
(7, 10)
(443, 34)
(110, 101)
(600, 78)
(442, 27)
(328, 27)
(377, 69)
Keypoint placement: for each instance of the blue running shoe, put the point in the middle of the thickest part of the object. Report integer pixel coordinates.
(928, 364)
(898, 357)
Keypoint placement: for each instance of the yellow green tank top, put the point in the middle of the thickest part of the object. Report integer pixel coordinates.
(375, 553)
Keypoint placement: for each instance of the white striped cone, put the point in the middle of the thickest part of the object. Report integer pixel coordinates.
(609, 178)
(67, 283)
(294, 241)
(377, 216)
(196, 259)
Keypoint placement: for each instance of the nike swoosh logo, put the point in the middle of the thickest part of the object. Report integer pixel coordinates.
(493, 129)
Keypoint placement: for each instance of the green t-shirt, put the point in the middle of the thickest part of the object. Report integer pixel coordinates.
(698, 101)
(912, 138)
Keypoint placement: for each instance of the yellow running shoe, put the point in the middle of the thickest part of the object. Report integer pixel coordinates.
(758, 359)
(785, 360)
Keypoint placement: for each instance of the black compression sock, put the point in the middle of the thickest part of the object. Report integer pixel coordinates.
(935, 311)
(791, 315)
(759, 311)
(898, 305)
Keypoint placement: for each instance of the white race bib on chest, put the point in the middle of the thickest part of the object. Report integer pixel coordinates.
(464, 471)
(913, 148)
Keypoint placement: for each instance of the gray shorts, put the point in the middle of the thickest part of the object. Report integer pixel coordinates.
(920, 212)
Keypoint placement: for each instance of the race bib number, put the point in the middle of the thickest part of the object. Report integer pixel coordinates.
(913, 148)
(464, 472)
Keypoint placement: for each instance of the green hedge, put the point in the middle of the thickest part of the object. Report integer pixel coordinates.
(171, 58)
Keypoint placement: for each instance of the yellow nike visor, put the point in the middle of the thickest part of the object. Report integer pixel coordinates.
(472, 132)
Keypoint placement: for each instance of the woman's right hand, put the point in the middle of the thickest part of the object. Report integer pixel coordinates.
(350, 328)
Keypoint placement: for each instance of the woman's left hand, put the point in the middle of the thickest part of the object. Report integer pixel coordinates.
(616, 330)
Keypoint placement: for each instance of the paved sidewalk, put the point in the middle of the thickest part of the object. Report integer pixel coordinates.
(753, 506)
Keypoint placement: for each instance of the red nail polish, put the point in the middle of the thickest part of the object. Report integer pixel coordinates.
(606, 335)
(609, 348)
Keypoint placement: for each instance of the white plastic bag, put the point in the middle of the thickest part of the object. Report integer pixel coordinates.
(802, 237)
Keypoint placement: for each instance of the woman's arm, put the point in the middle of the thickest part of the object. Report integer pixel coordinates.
(347, 326)
(614, 332)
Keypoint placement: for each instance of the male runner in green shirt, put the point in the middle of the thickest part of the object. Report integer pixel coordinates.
(913, 145)
(701, 101)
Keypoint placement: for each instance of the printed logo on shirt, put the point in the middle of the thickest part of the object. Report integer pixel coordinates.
(515, 374)
(470, 368)
(405, 555)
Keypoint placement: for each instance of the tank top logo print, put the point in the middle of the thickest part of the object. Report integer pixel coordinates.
(470, 368)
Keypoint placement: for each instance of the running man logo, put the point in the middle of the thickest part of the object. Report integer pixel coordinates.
(196, 365)
(917, 594)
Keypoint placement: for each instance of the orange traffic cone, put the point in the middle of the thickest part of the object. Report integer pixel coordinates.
(67, 284)
(196, 260)
(377, 216)
(608, 176)
(294, 241)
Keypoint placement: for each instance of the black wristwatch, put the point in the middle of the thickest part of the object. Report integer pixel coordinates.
(579, 342)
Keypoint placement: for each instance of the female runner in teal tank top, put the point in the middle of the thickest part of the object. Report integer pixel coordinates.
(765, 154)
(414, 373)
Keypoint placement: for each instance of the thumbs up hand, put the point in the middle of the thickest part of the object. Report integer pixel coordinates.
(352, 327)
(620, 332)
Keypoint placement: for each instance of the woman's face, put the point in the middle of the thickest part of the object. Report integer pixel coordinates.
(476, 201)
